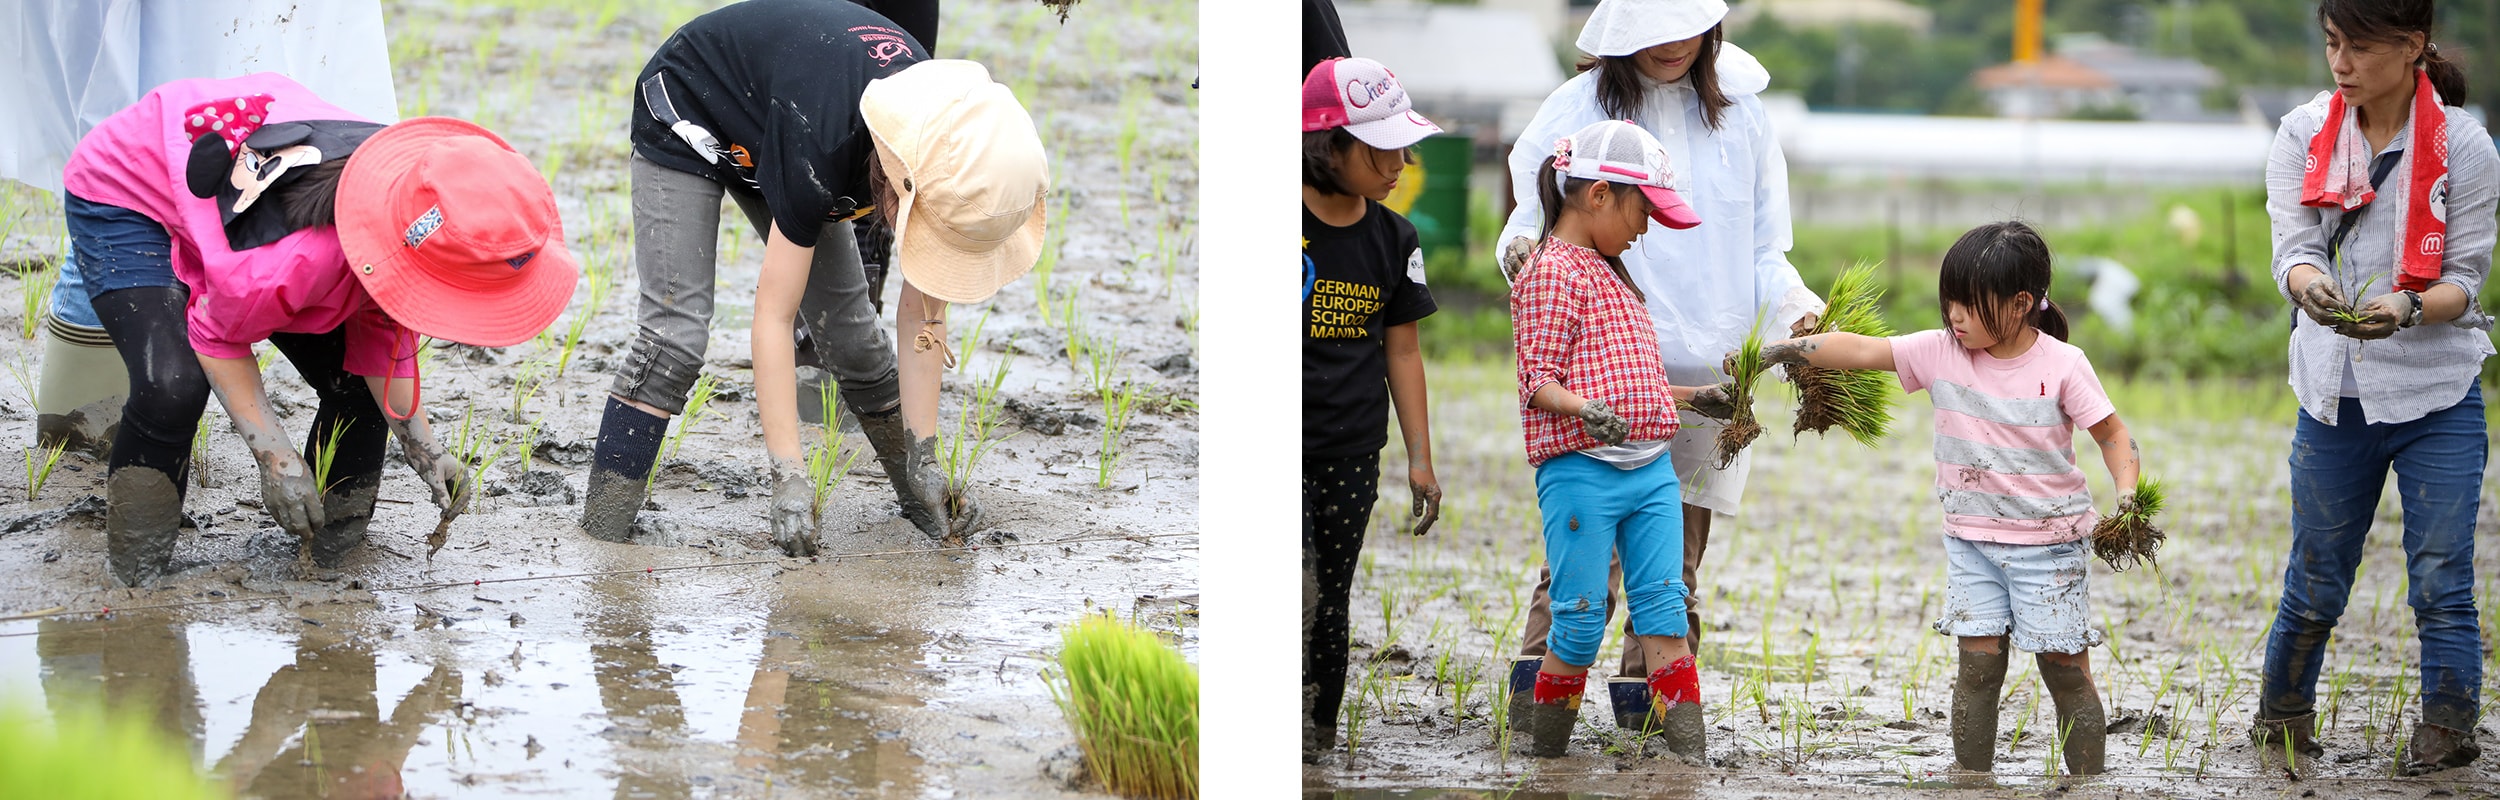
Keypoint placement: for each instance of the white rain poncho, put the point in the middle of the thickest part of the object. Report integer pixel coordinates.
(1706, 285)
(71, 63)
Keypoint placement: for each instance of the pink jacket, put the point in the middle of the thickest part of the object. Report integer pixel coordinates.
(298, 284)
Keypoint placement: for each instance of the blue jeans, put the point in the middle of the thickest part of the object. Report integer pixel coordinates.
(117, 248)
(2337, 472)
(1594, 511)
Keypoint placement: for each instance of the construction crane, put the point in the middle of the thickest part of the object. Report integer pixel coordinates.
(2027, 31)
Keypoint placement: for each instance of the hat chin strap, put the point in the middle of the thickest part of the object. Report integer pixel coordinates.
(416, 385)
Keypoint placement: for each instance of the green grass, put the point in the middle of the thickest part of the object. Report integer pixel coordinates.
(1133, 703)
(85, 754)
(37, 282)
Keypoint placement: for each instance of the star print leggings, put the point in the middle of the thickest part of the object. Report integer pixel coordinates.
(1337, 498)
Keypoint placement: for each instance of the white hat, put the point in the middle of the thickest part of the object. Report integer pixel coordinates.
(1359, 95)
(968, 174)
(1620, 152)
(1624, 27)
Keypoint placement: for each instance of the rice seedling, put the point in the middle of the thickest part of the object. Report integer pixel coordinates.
(696, 404)
(1134, 706)
(1054, 237)
(199, 453)
(963, 449)
(826, 462)
(527, 379)
(37, 282)
(39, 464)
(84, 751)
(1741, 429)
(2129, 537)
(1859, 401)
(326, 454)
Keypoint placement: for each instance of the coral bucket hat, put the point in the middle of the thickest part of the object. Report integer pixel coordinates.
(454, 233)
(969, 177)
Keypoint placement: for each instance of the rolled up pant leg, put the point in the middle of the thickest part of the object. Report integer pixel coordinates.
(676, 231)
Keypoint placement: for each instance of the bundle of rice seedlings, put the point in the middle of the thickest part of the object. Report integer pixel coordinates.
(1859, 401)
(85, 753)
(1741, 428)
(1134, 705)
(2129, 537)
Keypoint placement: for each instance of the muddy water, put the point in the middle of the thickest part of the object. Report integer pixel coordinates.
(904, 676)
(1820, 671)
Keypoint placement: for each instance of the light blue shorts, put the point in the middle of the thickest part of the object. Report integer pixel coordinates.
(2039, 593)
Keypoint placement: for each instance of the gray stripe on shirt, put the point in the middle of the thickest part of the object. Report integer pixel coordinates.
(1984, 504)
(2024, 411)
(2006, 460)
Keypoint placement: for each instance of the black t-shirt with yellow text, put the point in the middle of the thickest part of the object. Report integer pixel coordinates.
(1357, 282)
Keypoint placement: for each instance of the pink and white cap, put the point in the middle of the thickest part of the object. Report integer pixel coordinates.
(1620, 152)
(1359, 95)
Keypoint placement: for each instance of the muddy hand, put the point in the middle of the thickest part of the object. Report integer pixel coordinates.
(2378, 317)
(1602, 424)
(1715, 402)
(2320, 300)
(1427, 492)
(287, 491)
(1804, 325)
(1515, 258)
(449, 483)
(1787, 351)
(793, 512)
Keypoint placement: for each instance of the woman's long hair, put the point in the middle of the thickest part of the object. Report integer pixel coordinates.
(1619, 82)
(2381, 21)
(1991, 264)
(1551, 197)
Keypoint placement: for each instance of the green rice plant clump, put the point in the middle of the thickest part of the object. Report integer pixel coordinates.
(2129, 537)
(1134, 705)
(1859, 401)
(84, 755)
(1746, 370)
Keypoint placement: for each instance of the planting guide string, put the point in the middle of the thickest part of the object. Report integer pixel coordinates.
(1938, 777)
(106, 611)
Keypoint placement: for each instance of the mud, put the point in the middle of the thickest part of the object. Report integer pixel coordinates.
(1977, 686)
(1819, 671)
(902, 676)
(141, 520)
(348, 509)
(87, 429)
(2082, 725)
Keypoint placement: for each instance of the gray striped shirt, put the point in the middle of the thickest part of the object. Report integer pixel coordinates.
(2418, 370)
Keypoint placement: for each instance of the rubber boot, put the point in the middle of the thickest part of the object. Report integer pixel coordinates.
(1317, 741)
(2435, 747)
(1631, 702)
(609, 506)
(2080, 718)
(2299, 730)
(78, 404)
(1675, 709)
(1554, 712)
(143, 511)
(620, 468)
(1975, 694)
(1522, 687)
(911, 465)
(349, 506)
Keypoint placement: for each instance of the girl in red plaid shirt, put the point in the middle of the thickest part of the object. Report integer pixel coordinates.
(1598, 414)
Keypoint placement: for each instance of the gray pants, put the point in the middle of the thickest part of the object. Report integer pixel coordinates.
(676, 228)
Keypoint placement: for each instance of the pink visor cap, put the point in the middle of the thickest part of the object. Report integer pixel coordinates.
(1359, 95)
(1620, 152)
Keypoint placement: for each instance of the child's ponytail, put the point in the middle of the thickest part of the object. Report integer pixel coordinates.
(2050, 319)
(1551, 192)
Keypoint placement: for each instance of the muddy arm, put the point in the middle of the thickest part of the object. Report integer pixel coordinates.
(2119, 450)
(446, 476)
(1408, 395)
(777, 293)
(286, 485)
(1836, 350)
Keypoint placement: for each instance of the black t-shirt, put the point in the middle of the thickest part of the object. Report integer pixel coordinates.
(1357, 282)
(777, 82)
(1323, 37)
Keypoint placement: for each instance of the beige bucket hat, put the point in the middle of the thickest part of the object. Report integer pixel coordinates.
(968, 175)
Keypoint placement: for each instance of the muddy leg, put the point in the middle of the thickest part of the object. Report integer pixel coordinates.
(2080, 719)
(141, 517)
(1696, 542)
(1976, 690)
(1634, 697)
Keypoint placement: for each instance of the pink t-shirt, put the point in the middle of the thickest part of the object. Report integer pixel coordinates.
(2005, 435)
(135, 159)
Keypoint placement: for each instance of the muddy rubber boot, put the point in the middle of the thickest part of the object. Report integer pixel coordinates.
(2300, 731)
(1522, 687)
(2434, 748)
(349, 506)
(142, 514)
(1630, 697)
(1555, 710)
(2080, 718)
(609, 506)
(1317, 742)
(910, 465)
(620, 468)
(1675, 709)
(1976, 690)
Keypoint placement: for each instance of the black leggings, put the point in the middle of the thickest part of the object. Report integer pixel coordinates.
(168, 388)
(1337, 498)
